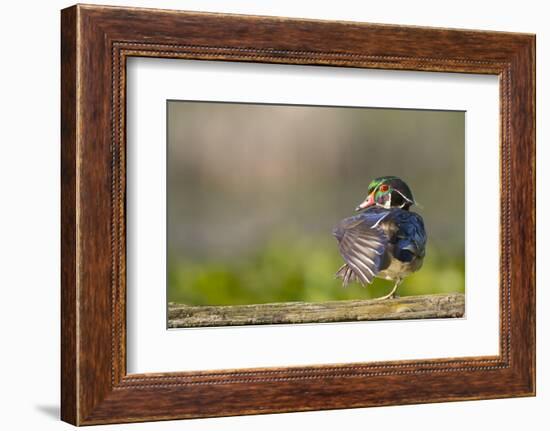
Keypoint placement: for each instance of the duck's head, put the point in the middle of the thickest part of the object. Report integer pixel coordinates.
(388, 192)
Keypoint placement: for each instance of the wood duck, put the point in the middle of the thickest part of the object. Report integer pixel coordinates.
(385, 240)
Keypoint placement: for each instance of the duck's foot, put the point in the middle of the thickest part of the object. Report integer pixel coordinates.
(392, 294)
(388, 296)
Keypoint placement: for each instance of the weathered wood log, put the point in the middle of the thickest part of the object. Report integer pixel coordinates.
(409, 307)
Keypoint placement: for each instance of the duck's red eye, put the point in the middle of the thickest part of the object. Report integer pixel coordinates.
(384, 188)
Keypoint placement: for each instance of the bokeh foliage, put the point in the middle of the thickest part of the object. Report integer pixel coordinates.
(290, 270)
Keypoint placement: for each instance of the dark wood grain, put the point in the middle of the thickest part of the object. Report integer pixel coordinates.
(69, 397)
(96, 41)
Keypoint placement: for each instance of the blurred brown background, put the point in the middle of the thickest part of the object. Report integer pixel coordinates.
(254, 191)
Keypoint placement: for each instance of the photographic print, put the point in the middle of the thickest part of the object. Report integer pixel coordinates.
(304, 214)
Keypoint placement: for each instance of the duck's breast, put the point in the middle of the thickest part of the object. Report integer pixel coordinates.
(407, 244)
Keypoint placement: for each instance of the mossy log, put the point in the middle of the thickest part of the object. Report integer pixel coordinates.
(409, 307)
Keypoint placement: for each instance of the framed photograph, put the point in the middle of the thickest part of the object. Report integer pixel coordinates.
(264, 214)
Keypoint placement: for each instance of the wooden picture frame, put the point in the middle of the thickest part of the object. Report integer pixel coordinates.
(95, 43)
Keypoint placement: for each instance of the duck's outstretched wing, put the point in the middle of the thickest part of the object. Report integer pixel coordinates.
(362, 244)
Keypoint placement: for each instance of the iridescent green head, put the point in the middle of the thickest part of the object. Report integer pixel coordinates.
(388, 192)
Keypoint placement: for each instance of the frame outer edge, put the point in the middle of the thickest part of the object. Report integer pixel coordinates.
(523, 217)
(532, 78)
(533, 54)
(526, 64)
(69, 302)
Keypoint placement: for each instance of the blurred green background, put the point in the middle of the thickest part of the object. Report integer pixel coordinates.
(254, 191)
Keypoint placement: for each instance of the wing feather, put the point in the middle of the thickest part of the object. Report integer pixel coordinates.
(362, 244)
